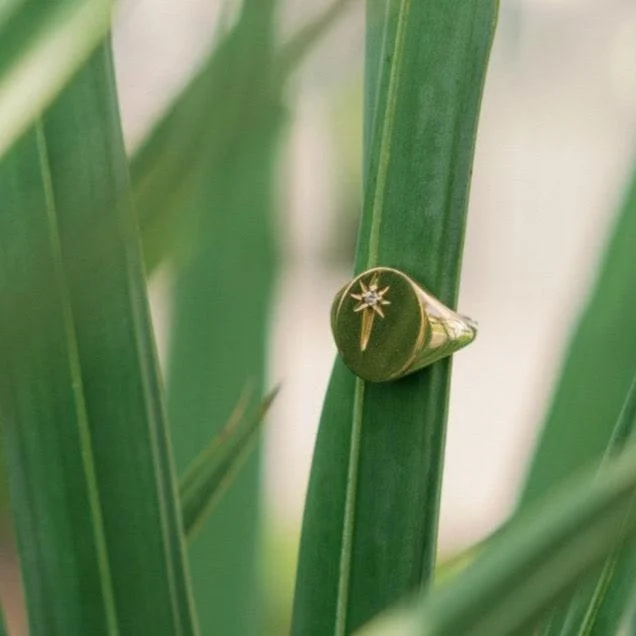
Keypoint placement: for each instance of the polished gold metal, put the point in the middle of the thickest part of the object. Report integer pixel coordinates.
(415, 329)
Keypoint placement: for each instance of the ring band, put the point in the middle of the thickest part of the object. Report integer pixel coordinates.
(386, 326)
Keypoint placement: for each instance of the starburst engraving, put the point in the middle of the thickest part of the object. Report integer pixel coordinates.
(371, 300)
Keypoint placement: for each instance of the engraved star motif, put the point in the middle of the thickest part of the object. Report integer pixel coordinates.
(371, 299)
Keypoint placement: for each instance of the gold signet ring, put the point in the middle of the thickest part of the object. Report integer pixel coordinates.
(386, 326)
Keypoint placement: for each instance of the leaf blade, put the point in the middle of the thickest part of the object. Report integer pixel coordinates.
(599, 541)
(214, 469)
(299, 45)
(224, 275)
(123, 396)
(537, 559)
(41, 45)
(46, 433)
(601, 602)
(597, 370)
(393, 550)
(201, 130)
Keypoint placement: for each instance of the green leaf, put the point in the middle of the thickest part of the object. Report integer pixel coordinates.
(537, 560)
(299, 45)
(600, 603)
(598, 369)
(457, 563)
(121, 386)
(370, 525)
(219, 336)
(216, 466)
(172, 159)
(223, 276)
(46, 436)
(613, 597)
(42, 43)
(199, 130)
(232, 98)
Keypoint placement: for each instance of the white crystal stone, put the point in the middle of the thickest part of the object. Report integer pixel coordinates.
(371, 298)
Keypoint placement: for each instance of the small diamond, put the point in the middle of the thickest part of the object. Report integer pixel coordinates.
(371, 298)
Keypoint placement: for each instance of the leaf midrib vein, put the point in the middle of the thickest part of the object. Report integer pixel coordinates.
(377, 209)
(84, 435)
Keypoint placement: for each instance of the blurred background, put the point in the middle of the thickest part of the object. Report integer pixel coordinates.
(555, 148)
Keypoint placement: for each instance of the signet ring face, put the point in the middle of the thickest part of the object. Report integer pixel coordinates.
(386, 326)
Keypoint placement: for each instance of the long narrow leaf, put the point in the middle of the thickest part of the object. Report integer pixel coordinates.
(223, 279)
(536, 561)
(613, 597)
(370, 526)
(124, 404)
(302, 42)
(195, 136)
(232, 98)
(543, 562)
(42, 43)
(598, 369)
(222, 297)
(46, 437)
(216, 466)
(600, 604)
